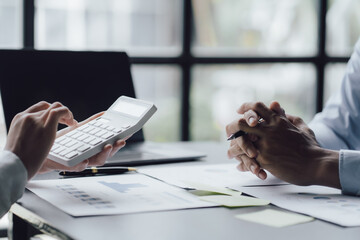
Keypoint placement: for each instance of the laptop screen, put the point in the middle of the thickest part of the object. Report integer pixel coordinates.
(86, 82)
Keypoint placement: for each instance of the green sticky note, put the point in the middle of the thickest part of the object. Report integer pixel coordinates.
(235, 201)
(204, 190)
(275, 218)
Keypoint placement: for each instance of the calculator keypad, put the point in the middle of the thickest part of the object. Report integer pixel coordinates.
(84, 138)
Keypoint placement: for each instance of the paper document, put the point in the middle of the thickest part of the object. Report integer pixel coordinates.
(235, 201)
(275, 218)
(114, 194)
(221, 175)
(320, 202)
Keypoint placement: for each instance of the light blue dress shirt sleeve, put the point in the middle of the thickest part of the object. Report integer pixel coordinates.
(337, 127)
(13, 178)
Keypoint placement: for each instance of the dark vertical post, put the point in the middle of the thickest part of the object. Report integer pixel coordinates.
(28, 23)
(322, 57)
(186, 70)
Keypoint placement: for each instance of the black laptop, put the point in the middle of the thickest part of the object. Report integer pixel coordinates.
(86, 82)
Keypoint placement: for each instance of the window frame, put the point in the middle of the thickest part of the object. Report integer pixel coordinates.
(186, 60)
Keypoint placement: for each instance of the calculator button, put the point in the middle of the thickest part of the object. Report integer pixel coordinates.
(88, 129)
(99, 134)
(82, 137)
(68, 150)
(54, 147)
(118, 130)
(77, 145)
(58, 140)
(59, 150)
(98, 124)
(125, 126)
(78, 134)
(71, 133)
(95, 142)
(110, 128)
(83, 148)
(89, 139)
(65, 141)
(94, 131)
(71, 143)
(107, 135)
(71, 154)
(83, 127)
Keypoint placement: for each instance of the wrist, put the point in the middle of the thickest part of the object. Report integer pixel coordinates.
(326, 168)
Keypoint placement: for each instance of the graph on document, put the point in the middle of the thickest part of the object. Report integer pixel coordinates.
(122, 188)
(116, 194)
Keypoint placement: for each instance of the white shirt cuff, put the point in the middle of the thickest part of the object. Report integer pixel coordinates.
(349, 171)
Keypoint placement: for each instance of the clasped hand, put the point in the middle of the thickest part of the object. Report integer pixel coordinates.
(282, 144)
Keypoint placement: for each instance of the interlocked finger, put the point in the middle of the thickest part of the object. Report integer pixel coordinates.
(234, 150)
(260, 108)
(246, 146)
(251, 164)
(241, 167)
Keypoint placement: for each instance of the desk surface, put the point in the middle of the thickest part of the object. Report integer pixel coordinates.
(204, 223)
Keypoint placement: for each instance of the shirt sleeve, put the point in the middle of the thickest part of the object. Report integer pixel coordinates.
(13, 178)
(337, 127)
(349, 171)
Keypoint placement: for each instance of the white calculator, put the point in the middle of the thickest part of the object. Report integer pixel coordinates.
(125, 117)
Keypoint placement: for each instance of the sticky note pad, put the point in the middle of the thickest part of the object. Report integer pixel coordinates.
(235, 201)
(275, 218)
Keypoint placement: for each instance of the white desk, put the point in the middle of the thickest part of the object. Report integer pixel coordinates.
(206, 223)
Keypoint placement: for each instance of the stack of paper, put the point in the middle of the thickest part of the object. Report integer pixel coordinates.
(320, 202)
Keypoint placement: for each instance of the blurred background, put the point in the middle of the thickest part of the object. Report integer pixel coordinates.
(200, 60)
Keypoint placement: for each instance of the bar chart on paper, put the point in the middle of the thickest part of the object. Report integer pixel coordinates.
(115, 194)
(122, 188)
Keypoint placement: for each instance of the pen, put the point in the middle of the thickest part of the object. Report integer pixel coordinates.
(236, 135)
(240, 132)
(95, 171)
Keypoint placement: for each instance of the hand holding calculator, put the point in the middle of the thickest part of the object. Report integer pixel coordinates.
(125, 117)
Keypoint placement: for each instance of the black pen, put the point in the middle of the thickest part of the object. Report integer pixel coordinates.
(240, 132)
(236, 135)
(96, 171)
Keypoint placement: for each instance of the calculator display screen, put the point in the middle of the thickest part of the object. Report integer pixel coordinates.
(129, 108)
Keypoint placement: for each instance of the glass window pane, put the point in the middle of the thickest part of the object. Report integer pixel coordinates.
(10, 23)
(151, 27)
(334, 74)
(255, 27)
(161, 85)
(343, 26)
(218, 91)
(10, 38)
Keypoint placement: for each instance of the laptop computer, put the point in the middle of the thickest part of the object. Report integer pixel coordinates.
(86, 82)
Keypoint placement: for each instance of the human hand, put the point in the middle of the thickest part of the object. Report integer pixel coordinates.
(96, 160)
(287, 148)
(33, 132)
(242, 148)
